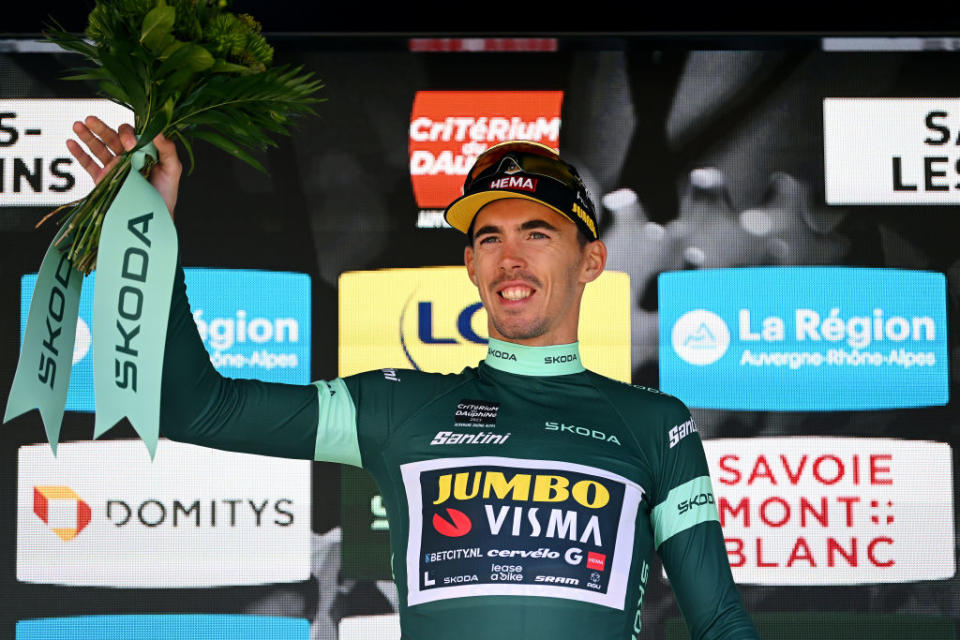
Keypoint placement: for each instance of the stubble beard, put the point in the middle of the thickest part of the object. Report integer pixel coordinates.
(532, 330)
(536, 327)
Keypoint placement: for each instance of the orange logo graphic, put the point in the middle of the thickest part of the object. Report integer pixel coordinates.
(62, 510)
(449, 129)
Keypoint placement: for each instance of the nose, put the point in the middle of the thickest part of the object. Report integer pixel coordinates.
(511, 255)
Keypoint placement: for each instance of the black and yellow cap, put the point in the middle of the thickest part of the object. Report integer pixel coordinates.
(526, 170)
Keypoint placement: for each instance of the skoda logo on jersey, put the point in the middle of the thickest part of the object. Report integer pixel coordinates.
(804, 338)
(700, 337)
(263, 335)
(428, 327)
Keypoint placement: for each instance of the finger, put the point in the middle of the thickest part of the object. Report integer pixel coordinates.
(106, 134)
(89, 164)
(94, 144)
(127, 136)
(167, 152)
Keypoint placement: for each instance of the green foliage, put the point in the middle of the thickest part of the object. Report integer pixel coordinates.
(191, 70)
(188, 69)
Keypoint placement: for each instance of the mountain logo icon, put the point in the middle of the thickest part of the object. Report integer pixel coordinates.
(700, 337)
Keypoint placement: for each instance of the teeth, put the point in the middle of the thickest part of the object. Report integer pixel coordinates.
(516, 293)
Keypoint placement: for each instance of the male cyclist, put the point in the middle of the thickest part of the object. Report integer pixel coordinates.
(504, 519)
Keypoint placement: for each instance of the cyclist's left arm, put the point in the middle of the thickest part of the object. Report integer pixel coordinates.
(689, 539)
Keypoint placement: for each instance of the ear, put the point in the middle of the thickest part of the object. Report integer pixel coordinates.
(594, 261)
(468, 262)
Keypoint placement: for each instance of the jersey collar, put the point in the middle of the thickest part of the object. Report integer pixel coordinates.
(555, 360)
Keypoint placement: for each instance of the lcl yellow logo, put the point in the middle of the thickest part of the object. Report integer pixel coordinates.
(431, 319)
(418, 329)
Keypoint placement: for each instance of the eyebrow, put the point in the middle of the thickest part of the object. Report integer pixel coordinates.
(526, 226)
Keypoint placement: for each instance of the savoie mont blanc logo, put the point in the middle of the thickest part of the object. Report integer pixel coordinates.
(804, 338)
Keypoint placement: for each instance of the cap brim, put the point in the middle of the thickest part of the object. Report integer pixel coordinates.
(463, 210)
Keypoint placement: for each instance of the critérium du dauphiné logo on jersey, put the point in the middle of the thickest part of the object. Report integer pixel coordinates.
(804, 338)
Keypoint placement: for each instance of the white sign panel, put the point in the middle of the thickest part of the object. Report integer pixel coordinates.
(891, 150)
(36, 169)
(102, 514)
(834, 511)
(382, 627)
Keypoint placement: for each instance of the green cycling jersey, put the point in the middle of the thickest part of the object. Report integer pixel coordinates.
(525, 496)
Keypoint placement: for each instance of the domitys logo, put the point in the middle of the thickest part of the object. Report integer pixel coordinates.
(62, 510)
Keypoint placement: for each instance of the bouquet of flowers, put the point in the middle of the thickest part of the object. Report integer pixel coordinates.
(189, 69)
(193, 71)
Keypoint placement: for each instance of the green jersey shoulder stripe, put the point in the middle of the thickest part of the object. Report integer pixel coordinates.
(685, 506)
(336, 424)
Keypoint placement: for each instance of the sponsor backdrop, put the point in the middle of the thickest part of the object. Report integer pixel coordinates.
(102, 514)
(254, 324)
(781, 226)
(833, 338)
(823, 510)
(164, 627)
(449, 129)
(36, 168)
(432, 319)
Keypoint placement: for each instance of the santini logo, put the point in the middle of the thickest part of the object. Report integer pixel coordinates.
(681, 431)
(450, 437)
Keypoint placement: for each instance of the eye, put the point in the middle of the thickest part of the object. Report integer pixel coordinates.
(537, 235)
(487, 239)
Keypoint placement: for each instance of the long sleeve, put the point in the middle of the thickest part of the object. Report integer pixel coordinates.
(200, 406)
(689, 538)
(696, 563)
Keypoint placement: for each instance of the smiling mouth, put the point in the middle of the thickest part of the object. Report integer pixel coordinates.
(515, 293)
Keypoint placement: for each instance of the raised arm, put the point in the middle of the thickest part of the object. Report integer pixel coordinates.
(198, 405)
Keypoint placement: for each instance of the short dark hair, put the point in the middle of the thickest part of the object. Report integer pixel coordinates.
(582, 238)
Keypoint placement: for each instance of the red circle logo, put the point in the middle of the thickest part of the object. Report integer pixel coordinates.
(458, 524)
